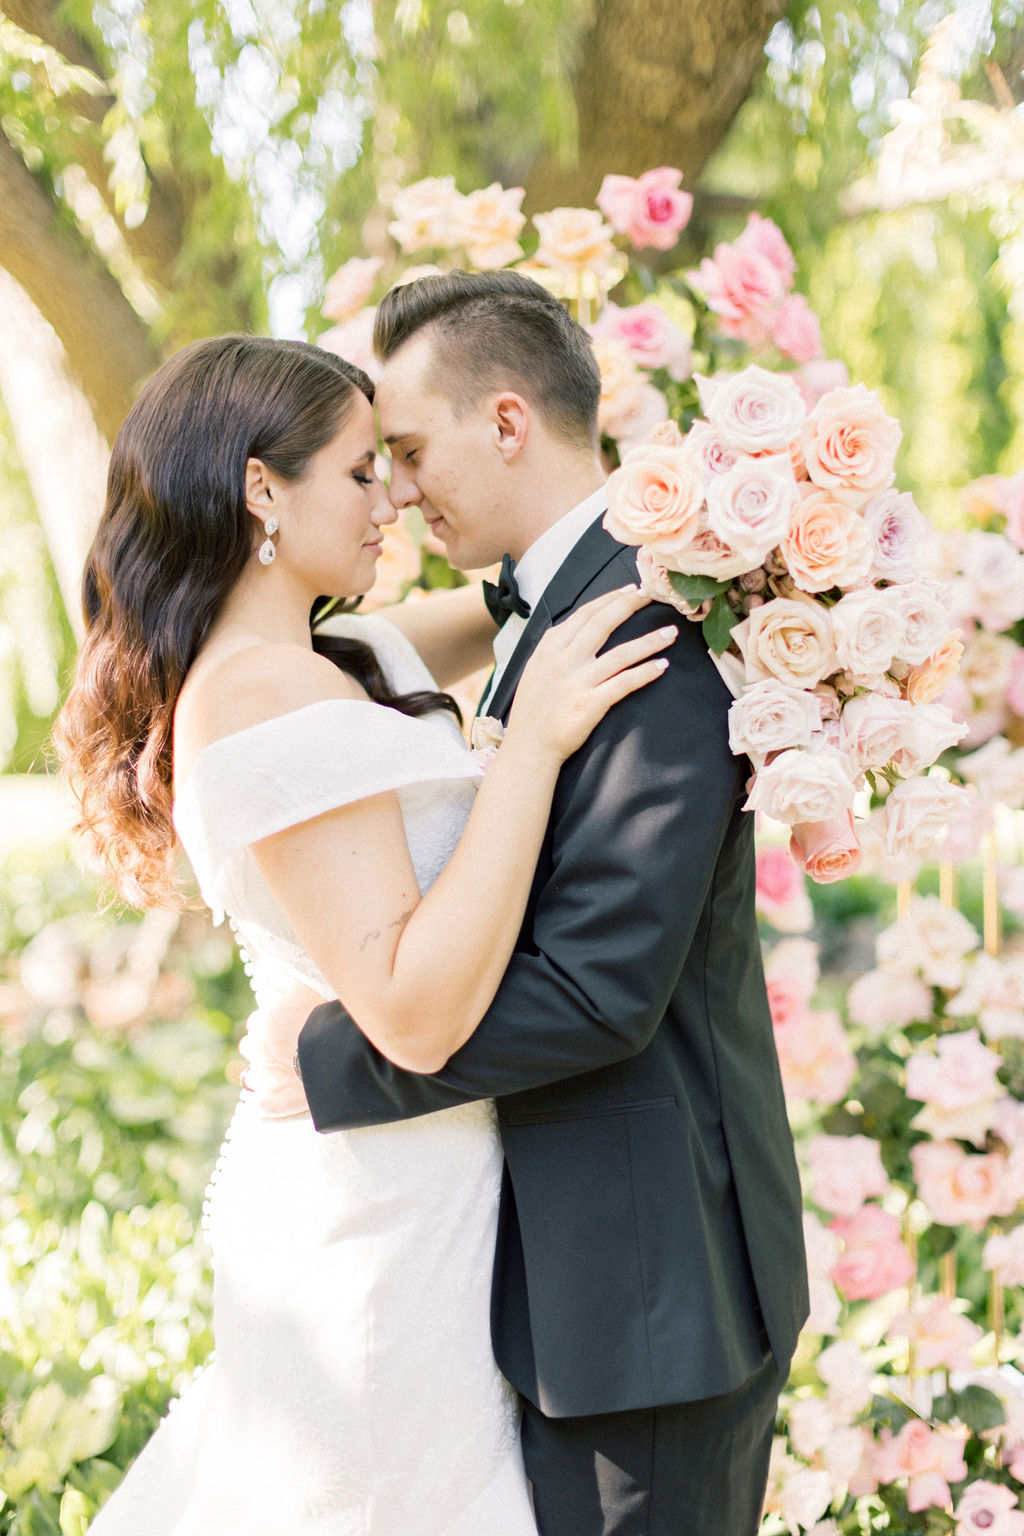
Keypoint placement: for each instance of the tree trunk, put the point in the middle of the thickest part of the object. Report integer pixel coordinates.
(656, 84)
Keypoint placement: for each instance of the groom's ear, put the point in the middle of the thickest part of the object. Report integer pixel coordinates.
(510, 418)
(260, 493)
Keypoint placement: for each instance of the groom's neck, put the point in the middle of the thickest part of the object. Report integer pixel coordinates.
(556, 485)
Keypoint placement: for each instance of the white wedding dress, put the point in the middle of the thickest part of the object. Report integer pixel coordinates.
(353, 1391)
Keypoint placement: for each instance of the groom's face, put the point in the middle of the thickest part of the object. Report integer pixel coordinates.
(442, 461)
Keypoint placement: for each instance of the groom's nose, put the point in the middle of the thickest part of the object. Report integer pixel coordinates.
(402, 488)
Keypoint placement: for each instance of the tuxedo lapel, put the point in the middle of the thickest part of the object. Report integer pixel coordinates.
(585, 561)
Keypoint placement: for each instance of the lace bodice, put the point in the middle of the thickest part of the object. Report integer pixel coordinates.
(293, 767)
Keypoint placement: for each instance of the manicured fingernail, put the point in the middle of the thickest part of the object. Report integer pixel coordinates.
(633, 588)
(669, 632)
(661, 663)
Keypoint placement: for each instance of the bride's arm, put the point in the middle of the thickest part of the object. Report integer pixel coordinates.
(417, 974)
(452, 631)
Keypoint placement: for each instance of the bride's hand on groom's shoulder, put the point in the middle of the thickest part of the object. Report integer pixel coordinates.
(570, 682)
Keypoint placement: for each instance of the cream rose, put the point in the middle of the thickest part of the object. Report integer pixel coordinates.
(987, 665)
(708, 555)
(655, 581)
(994, 572)
(918, 813)
(750, 505)
(350, 287)
(931, 729)
(754, 411)
(574, 240)
(923, 609)
(488, 223)
(770, 716)
(849, 440)
(873, 729)
(826, 543)
(800, 785)
(869, 629)
(789, 639)
(654, 497)
(426, 214)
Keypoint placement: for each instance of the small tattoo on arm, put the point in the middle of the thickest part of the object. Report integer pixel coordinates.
(378, 933)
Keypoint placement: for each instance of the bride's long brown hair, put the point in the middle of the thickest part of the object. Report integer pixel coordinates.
(173, 539)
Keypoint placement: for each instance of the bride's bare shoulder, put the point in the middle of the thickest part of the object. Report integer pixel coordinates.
(226, 693)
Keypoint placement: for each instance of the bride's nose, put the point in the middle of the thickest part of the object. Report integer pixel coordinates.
(383, 511)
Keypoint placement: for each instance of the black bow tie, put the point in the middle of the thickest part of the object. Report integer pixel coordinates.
(505, 599)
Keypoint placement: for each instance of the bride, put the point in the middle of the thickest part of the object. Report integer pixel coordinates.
(332, 810)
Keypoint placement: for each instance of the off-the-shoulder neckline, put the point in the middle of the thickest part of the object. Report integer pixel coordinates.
(290, 714)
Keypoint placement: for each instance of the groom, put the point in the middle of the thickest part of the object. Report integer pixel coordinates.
(649, 1280)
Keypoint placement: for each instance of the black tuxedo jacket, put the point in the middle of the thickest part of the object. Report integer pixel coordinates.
(650, 1223)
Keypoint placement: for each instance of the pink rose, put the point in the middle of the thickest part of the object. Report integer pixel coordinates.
(488, 223)
(574, 240)
(961, 1072)
(634, 425)
(763, 238)
(769, 716)
(898, 529)
(842, 1368)
(994, 571)
(426, 215)
(708, 451)
(930, 1459)
(988, 1509)
(814, 1057)
(708, 555)
(780, 892)
(789, 639)
(654, 497)
(655, 581)
(850, 442)
(651, 338)
(874, 1260)
(750, 506)
(873, 729)
(846, 1171)
(801, 785)
(961, 1188)
(880, 1000)
(755, 411)
(649, 210)
(1012, 502)
(817, 378)
(353, 340)
(1015, 687)
(623, 388)
(743, 288)
(931, 729)
(827, 850)
(922, 606)
(994, 995)
(932, 939)
(918, 813)
(1004, 1255)
(350, 287)
(997, 769)
(796, 330)
(941, 1337)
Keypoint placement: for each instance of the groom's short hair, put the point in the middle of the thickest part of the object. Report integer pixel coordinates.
(499, 330)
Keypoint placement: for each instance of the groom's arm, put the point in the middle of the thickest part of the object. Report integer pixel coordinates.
(638, 822)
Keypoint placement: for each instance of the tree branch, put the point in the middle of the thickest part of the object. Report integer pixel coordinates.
(107, 345)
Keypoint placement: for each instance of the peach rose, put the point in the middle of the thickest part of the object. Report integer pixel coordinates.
(961, 1188)
(426, 214)
(654, 497)
(622, 386)
(743, 288)
(869, 630)
(800, 785)
(849, 441)
(649, 210)
(846, 1171)
(918, 813)
(780, 892)
(827, 850)
(933, 676)
(930, 1459)
(750, 506)
(398, 567)
(350, 287)
(874, 1260)
(755, 411)
(770, 716)
(789, 639)
(826, 543)
(651, 338)
(488, 223)
(574, 240)
(796, 330)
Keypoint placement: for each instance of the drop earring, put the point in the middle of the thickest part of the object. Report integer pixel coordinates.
(267, 550)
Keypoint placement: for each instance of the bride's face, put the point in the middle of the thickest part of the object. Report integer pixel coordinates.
(330, 522)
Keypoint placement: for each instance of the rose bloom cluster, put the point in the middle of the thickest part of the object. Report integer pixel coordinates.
(778, 525)
(748, 285)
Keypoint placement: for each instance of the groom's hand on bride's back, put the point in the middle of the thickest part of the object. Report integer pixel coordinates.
(271, 1079)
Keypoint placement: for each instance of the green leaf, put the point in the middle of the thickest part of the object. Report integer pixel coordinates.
(696, 589)
(979, 1408)
(719, 625)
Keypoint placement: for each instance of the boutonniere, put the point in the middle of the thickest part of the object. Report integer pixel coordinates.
(485, 738)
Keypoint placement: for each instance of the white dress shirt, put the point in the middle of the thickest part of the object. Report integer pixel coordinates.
(536, 569)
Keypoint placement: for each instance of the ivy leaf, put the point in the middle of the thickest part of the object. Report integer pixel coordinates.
(697, 589)
(719, 625)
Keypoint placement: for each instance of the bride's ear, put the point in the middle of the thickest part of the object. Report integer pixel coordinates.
(260, 491)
